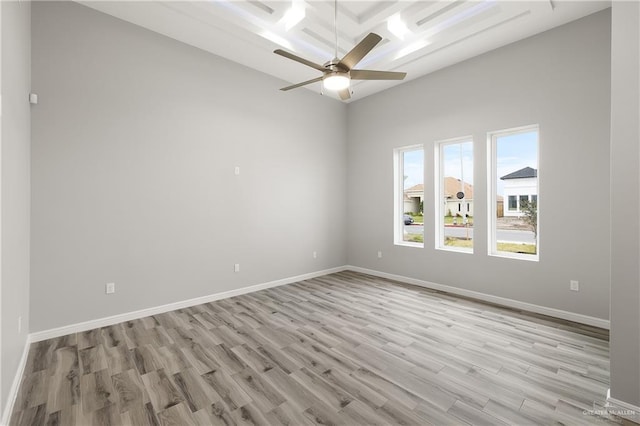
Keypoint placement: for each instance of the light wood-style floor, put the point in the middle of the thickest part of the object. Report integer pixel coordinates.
(345, 348)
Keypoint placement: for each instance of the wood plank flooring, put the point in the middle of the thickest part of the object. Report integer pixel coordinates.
(345, 348)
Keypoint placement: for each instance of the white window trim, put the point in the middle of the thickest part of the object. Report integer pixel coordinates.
(492, 137)
(439, 193)
(398, 196)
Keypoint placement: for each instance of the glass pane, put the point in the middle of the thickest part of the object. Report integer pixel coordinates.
(457, 194)
(517, 182)
(413, 196)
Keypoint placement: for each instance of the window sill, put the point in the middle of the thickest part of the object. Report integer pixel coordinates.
(409, 244)
(455, 249)
(516, 256)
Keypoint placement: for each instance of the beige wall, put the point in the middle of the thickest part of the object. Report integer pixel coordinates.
(453, 204)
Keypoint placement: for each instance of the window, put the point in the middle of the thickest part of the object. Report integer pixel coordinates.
(513, 161)
(409, 196)
(454, 194)
(524, 199)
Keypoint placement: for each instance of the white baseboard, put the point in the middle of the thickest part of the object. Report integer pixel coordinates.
(103, 322)
(622, 409)
(552, 312)
(128, 316)
(15, 386)
(621, 406)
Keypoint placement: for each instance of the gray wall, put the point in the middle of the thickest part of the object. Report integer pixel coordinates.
(135, 140)
(134, 144)
(625, 202)
(560, 80)
(14, 284)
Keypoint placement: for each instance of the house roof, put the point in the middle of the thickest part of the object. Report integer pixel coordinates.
(527, 172)
(415, 188)
(414, 191)
(451, 188)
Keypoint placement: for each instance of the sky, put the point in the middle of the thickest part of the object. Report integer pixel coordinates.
(514, 152)
(413, 168)
(452, 166)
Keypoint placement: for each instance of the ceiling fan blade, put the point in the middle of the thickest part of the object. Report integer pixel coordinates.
(304, 83)
(376, 75)
(356, 54)
(345, 94)
(299, 59)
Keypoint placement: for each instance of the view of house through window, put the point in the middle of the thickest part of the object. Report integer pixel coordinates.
(455, 181)
(514, 156)
(410, 197)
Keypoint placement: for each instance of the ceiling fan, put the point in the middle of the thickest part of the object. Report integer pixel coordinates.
(338, 73)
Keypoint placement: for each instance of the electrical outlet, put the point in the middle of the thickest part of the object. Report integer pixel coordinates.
(110, 288)
(574, 285)
(315, 254)
(19, 324)
(236, 267)
(379, 255)
(236, 170)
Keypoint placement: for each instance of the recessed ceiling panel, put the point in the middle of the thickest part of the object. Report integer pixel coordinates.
(417, 36)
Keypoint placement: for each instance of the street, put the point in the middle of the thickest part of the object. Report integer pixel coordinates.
(507, 235)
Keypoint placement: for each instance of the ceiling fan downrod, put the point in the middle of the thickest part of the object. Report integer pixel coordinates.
(338, 73)
(335, 26)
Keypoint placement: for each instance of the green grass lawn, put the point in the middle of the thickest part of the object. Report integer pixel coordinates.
(458, 242)
(517, 248)
(417, 218)
(463, 243)
(414, 238)
(448, 220)
(508, 247)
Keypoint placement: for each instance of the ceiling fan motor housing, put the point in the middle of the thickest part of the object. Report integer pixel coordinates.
(338, 73)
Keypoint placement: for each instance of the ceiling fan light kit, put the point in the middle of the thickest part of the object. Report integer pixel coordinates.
(338, 73)
(335, 81)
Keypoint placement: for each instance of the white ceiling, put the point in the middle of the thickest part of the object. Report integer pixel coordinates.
(440, 33)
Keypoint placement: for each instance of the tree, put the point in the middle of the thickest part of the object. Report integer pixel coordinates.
(530, 211)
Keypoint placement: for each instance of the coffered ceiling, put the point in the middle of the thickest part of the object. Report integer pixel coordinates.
(418, 37)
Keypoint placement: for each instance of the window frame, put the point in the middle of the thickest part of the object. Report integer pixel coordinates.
(440, 210)
(398, 195)
(492, 185)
